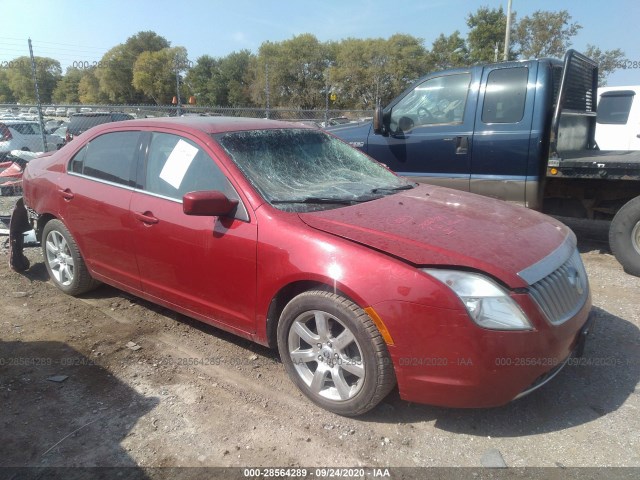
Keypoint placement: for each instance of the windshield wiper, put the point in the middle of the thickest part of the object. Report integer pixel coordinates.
(328, 200)
(408, 186)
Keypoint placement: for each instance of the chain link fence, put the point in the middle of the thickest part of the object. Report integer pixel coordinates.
(62, 113)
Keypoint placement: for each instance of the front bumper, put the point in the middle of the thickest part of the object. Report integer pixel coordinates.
(445, 359)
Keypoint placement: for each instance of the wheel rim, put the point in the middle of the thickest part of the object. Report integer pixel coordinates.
(635, 237)
(59, 258)
(326, 355)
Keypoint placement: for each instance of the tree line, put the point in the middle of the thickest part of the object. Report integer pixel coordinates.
(301, 72)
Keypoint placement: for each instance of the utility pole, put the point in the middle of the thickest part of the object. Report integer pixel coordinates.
(266, 86)
(507, 34)
(35, 82)
(178, 113)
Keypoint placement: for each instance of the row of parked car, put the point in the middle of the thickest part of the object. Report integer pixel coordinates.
(19, 133)
(31, 113)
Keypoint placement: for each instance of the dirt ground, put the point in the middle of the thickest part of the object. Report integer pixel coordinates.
(119, 405)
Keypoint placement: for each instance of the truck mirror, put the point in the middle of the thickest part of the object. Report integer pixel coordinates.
(378, 122)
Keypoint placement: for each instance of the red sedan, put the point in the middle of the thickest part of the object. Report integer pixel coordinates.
(285, 235)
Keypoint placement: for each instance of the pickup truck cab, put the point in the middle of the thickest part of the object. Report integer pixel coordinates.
(518, 131)
(618, 120)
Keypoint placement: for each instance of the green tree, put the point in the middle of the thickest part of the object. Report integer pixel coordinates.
(154, 73)
(368, 70)
(296, 71)
(6, 95)
(89, 91)
(222, 81)
(358, 76)
(115, 69)
(66, 90)
(608, 61)
(448, 52)
(200, 78)
(20, 79)
(235, 74)
(487, 29)
(408, 61)
(545, 34)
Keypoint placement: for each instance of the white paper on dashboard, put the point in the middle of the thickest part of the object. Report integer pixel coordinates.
(178, 163)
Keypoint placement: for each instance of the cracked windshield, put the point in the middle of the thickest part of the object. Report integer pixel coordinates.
(303, 170)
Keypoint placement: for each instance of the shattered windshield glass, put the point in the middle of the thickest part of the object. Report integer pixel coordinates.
(300, 169)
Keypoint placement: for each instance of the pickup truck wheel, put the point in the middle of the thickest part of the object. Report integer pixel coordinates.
(64, 263)
(624, 236)
(334, 353)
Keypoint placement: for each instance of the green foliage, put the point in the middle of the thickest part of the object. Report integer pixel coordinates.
(545, 34)
(154, 73)
(448, 52)
(115, 69)
(89, 88)
(301, 72)
(367, 70)
(6, 95)
(20, 79)
(486, 33)
(296, 71)
(607, 61)
(225, 81)
(66, 90)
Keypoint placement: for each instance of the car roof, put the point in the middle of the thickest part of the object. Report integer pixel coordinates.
(16, 121)
(208, 125)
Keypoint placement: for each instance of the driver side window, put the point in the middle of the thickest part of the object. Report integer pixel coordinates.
(436, 101)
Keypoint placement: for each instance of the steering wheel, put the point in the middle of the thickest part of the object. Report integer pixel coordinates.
(424, 115)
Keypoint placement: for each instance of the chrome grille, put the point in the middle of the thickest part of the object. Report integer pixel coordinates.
(561, 294)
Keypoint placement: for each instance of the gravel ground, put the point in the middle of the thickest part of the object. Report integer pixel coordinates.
(127, 394)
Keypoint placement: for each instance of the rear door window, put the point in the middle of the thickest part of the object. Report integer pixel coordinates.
(505, 95)
(110, 157)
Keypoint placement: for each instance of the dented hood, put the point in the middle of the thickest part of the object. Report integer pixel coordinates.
(435, 226)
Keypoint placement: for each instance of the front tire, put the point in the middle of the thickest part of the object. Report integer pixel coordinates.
(64, 263)
(334, 353)
(624, 236)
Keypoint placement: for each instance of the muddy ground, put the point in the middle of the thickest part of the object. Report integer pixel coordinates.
(149, 406)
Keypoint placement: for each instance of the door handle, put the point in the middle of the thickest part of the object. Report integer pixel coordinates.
(146, 218)
(462, 145)
(66, 194)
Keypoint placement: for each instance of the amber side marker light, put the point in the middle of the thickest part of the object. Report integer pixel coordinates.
(553, 171)
(386, 336)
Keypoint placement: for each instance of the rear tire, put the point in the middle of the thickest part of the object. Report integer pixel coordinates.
(334, 353)
(64, 263)
(624, 236)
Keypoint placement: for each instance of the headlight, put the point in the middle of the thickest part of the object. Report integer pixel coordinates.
(487, 303)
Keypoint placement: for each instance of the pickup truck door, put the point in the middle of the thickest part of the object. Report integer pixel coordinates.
(502, 139)
(431, 130)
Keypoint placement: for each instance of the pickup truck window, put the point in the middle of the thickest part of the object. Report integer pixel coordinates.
(439, 100)
(505, 95)
(614, 107)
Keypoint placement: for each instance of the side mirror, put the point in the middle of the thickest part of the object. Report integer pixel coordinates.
(378, 120)
(207, 203)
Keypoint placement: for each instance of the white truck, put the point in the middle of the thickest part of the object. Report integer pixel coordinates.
(618, 120)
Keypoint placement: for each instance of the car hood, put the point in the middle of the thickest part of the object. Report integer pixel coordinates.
(435, 226)
(355, 134)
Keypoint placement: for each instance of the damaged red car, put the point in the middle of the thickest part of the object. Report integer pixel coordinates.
(288, 236)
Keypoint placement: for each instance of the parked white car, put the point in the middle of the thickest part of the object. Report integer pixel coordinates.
(25, 135)
(618, 120)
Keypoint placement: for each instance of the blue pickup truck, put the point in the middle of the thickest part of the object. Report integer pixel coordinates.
(523, 132)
